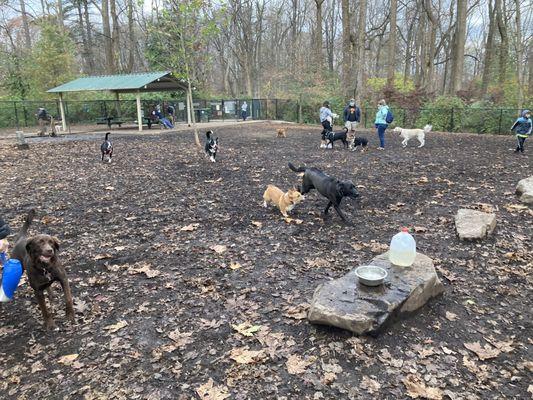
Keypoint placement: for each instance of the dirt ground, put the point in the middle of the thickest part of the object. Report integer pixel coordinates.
(186, 287)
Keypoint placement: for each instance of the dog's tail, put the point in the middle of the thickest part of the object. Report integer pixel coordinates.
(107, 135)
(24, 230)
(208, 134)
(299, 169)
(427, 128)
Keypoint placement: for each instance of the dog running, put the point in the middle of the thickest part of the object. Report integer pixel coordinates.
(211, 146)
(282, 133)
(408, 134)
(39, 258)
(331, 188)
(107, 148)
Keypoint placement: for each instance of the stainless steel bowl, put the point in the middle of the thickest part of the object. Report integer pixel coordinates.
(370, 275)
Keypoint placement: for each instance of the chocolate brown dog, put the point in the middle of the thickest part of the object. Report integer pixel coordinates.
(38, 255)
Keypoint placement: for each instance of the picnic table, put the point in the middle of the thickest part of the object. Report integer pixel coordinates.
(109, 121)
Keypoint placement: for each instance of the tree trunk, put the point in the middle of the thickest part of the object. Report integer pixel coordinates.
(360, 43)
(90, 60)
(318, 34)
(519, 54)
(530, 68)
(131, 36)
(430, 63)
(489, 51)
(392, 43)
(458, 51)
(115, 37)
(108, 44)
(347, 81)
(504, 44)
(83, 33)
(25, 25)
(60, 17)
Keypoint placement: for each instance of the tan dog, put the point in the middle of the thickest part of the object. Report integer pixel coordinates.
(284, 201)
(282, 132)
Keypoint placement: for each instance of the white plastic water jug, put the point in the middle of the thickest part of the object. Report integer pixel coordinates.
(402, 249)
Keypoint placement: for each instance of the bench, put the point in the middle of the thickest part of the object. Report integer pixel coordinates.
(109, 121)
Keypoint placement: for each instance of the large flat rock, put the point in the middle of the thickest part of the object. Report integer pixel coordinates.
(473, 224)
(347, 304)
(524, 190)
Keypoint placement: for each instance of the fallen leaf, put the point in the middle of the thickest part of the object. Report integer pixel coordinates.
(120, 248)
(68, 359)
(218, 248)
(246, 329)
(451, 316)
(116, 327)
(242, 355)
(189, 228)
(416, 388)
(235, 265)
(143, 269)
(37, 366)
(102, 256)
(484, 353)
(420, 229)
(181, 339)
(109, 188)
(257, 223)
(295, 220)
(208, 391)
(297, 365)
(370, 385)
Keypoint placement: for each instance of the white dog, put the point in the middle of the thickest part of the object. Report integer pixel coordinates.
(408, 134)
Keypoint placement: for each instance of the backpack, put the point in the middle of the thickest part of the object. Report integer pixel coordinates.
(389, 118)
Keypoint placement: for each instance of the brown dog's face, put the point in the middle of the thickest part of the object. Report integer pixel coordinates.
(294, 196)
(42, 248)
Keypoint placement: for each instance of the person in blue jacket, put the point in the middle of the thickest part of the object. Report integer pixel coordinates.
(352, 116)
(522, 129)
(381, 122)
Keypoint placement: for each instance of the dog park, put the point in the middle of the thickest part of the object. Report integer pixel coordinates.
(185, 286)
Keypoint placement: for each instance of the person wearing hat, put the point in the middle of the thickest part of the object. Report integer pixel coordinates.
(352, 116)
(522, 129)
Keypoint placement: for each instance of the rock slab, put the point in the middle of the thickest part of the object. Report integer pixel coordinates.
(347, 304)
(473, 224)
(524, 190)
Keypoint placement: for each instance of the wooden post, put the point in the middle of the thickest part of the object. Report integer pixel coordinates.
(62, 111)
(117, 104)
(189, 106)
(139, 112)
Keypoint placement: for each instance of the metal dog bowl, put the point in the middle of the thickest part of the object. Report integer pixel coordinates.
(370, 275)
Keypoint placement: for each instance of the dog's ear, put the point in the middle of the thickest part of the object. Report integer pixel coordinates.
(30, 245)
(340, 188)
(55, 242)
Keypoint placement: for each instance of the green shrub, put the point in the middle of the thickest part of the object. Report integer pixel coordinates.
(445, 114)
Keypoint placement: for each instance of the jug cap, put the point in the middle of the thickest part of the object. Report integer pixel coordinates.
(405, 229)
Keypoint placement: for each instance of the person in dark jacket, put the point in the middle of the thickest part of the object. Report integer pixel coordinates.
(352, 116)
(522, 129)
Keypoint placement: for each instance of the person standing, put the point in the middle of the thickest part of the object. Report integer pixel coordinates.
(352, 116)
(171, 111)
(326, 120)
(381, 122)
(522, 128)
(244, 111)
(43, 118)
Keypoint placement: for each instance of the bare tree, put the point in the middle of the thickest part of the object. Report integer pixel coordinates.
(458, 49)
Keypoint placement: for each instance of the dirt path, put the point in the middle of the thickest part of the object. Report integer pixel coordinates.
(158, 308)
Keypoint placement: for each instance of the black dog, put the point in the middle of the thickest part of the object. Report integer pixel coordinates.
(107, 148)
(331, 188)
(359, 141)
(331, 137)
(211, 146)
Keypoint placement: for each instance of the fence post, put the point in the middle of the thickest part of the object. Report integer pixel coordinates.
(364, 117)
(300, 109)
(25, 113)
(276, 102)
(16, 114)
(500, 121)
(404, 114)
(451, 121)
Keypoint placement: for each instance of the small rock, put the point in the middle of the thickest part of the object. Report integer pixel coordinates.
(347, 304)
(524, 190)
(473, 224)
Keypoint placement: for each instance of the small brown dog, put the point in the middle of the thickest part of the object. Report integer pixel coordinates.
(282, 132)
(38, 255)
(285, 201)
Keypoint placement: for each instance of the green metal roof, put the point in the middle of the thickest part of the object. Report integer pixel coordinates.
(144, 82)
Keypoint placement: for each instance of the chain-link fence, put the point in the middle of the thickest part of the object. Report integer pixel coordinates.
(20, 114)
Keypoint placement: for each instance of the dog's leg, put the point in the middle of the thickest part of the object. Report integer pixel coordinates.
(265, 204)
(404, 143)
(338, 209)
(422, 142)
(68, 298)
(327, 208)
(48, 321)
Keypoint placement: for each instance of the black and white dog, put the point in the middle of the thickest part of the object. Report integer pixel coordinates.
(211, 146)
(107, 148)
(331, 137)
(359, 141)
